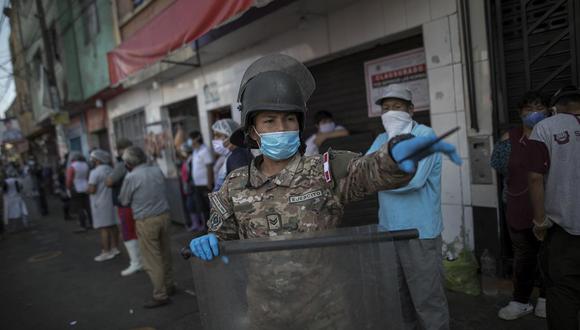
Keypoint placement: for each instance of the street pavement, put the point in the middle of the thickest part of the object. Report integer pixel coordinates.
(49, 280)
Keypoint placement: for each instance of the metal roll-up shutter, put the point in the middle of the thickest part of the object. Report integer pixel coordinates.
(536, 43)
(341, 90)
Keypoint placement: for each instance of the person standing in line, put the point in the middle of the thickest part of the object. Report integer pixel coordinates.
(235, 157)
(202, 179)
(44, 179)
(416, 205)
(30, 190)
(102, 205)
(128, 231)
(554, 177)
(509, 158)
(326, 129)
(77, 183)
(222, 154)
(185, 152)
(61, 187)
(143, 190)
(14, 206)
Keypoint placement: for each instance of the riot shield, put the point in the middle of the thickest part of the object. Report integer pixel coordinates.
(337, 279)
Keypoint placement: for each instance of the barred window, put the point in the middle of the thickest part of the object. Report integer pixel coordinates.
(132, 127)
(90, 16)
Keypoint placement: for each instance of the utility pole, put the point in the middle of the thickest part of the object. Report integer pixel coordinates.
(52, 83)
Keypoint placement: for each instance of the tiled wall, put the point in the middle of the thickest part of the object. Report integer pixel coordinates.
(445, 72)
(449, 108)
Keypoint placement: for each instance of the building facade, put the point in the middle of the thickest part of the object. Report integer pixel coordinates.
(80, 33)
(335, 40)
(144, 69)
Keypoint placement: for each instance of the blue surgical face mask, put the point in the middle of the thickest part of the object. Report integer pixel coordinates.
(279, 145)
(189, 142)
(533, 118)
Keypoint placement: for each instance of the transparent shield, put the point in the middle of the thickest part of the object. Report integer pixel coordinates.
(338, 279)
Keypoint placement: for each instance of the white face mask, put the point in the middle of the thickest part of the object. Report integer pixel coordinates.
(397, 123)
(327, 127)
(218, 147)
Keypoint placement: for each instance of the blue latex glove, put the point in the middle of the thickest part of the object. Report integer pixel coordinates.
(205, 247)
(407, 147)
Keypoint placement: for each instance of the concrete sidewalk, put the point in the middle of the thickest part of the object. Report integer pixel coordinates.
(50, 281)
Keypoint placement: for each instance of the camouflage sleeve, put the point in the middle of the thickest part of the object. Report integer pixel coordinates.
(222, 221)
(357, 176)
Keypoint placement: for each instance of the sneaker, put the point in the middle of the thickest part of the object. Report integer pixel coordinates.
(540, 310)
(132, 269)
(115, 251)
(515, 310)
(104, 256)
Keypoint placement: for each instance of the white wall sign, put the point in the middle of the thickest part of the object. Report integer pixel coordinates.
(407, 68)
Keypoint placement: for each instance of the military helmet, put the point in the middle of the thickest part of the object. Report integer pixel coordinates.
(272, 83)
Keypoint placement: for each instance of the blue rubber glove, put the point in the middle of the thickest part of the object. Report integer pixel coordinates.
(205, 247)
(407, 147)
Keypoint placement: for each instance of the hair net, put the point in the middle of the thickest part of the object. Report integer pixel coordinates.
(225, 126)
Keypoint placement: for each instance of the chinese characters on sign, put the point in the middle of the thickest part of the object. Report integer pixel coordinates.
(406, 68)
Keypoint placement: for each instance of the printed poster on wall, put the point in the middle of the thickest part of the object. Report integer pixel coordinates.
(407, 68)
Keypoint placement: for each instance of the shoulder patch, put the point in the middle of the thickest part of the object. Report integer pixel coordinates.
(218, 206)
(215, 222)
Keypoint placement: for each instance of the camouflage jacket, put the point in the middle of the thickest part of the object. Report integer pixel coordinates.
(301, 198)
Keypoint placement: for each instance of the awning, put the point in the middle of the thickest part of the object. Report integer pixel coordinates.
(179, 24)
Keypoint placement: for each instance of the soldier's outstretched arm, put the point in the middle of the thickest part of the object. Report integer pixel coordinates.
(357, 176)
(390, 167)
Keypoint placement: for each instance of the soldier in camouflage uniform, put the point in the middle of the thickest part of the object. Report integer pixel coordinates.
(283, 192)
(299, 198)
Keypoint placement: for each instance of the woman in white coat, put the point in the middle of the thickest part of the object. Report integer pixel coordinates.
(102, 207)
(14, 207)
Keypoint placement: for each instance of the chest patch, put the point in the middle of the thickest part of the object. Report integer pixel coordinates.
(273, 221)
(305, 197)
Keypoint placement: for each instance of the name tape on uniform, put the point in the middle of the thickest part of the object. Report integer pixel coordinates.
(305, 197)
